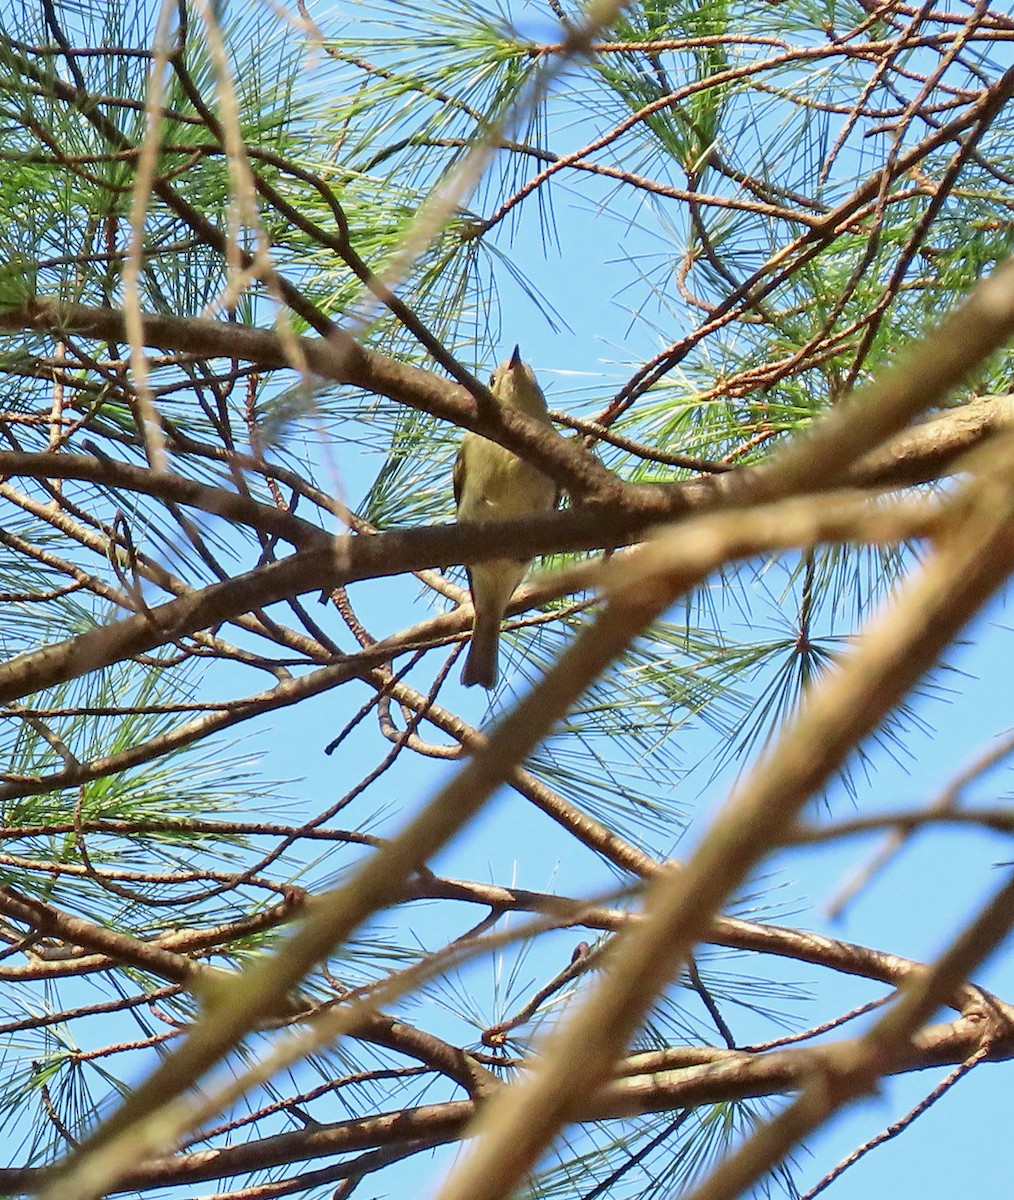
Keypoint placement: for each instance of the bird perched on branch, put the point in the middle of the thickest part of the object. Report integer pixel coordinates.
(491, 483)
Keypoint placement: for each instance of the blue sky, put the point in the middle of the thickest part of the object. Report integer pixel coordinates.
(922, 899)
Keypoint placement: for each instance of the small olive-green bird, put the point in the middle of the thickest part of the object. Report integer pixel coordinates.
(491, 483)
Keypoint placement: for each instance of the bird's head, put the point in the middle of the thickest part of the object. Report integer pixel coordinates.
(513, 383)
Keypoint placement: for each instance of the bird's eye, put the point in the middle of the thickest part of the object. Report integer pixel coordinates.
(492, 379)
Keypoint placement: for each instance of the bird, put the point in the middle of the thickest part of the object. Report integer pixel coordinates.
(491, 483)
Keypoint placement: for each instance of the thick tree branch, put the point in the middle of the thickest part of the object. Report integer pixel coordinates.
(120, 947)
(166, 486)
(337, 359)
(691, 1077)
(921, 454)
(333, 564)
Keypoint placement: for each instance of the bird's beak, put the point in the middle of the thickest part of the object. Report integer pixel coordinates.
(515, 358)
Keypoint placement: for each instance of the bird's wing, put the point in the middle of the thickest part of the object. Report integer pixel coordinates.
(459, 474)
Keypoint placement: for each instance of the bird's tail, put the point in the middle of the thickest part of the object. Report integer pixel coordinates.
(481, 664)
